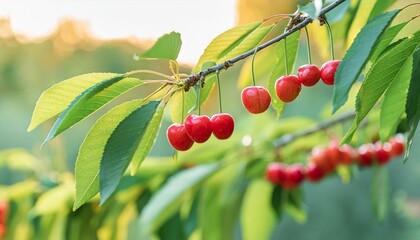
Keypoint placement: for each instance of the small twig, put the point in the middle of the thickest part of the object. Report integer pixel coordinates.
(303, 21)
(288, 138)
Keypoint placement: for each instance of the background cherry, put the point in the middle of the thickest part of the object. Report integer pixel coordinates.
(294, 176)
(256, 99)
(308, 74)
(198, 127)
(383, 152)
(288, 88)
(178, 138)
(314, 173)
(327, 71)
(222, 125)
(276, 173)
(367, 154)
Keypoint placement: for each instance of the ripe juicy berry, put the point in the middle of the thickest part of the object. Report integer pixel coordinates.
(198, 128)
(178, 138)
(320, 157)
(314, 173)
(222, 125)
(308, 75)
(288, 88)
(328, 70)
(255, 99)
(348, 155)
(367, 154)
(383, 153)
(276, 173)
(397, 145)
(294, 176)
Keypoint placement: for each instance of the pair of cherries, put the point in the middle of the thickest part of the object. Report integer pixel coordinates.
(289, 87)
(325, 160)
(198, 128)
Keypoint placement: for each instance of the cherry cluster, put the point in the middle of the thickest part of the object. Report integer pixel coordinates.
(198, 128)
(325, 160)
(256, 99)
(3, 217)
(288, 87)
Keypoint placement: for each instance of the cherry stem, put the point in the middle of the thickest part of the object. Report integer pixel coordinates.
(308, 44)
(252, 66)
(409, 5)
(330, 34)
(285, 57)
(199, 95)
(182, 106)
(156, 91)
(220, 92)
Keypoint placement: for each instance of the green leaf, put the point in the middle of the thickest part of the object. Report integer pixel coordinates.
(54, 200)
(413, 101)
(294, 207)
(280, 68)
(380, 7)
(338, 12)
(121, 146)
(386, 39)
(357, 56)
(55, 100)
(92, 149)
(250, 42)
(256, 205)
(394, 102)
(190, 99)
(166, 47)
(148, 139)
(381, 74)
(90, 101)
(167, 200)
(380, 192)
(313, 9)
(225, 42)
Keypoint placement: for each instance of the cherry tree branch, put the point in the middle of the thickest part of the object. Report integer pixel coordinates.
(288, 138)
(194, 78)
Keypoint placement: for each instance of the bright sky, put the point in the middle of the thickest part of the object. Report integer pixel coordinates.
(198, 21)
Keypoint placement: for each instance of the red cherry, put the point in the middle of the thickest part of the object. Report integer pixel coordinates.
(295, 174)
(255, 99)
(327, 71)
(288, 88)
(367, 154)
(333, 154)
(275, 173)
(320, 157)
(308, 75)
(397, 145)
(348, 154)
(178, 138)
(314, 173)
(222, 125)
(198, 128)
(383, 152)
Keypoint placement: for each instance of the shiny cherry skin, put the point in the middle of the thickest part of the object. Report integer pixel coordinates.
(288, 88)
(198, 128)
(178, 138)
(295, 174)
(398, 145)
(321, 157)
(275, 173)
(308, 75)
(348, 155)
(383, 153)
(327, 71)
(222, 125)
(367, 154)
(314, 173)
(256, 99)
